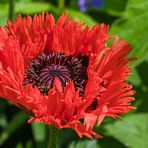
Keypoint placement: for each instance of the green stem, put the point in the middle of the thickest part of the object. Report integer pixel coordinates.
(53, 136)
(11, 9)
(61, 4)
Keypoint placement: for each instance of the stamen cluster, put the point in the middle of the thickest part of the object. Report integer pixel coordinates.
(43, 69)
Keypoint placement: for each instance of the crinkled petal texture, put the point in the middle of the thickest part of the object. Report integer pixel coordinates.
(106, 93)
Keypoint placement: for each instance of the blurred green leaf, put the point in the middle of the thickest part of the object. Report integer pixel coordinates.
(135, 35)
(85, 144)
(135, 79)
(73, 4)
(3, 104)
(3, 9)
(117, 5)
(31, 8)
(35, 7)
(3, 14)
(132, 131)
(39, 134)
(136, 7)
(110, 142)
(82, 17)
(29, 144)
(19, 145)
(143, 73)
(3, 19)
(67, 135)
(113, 10)
(134, 29)
(108, 11)
(38, 7)
(3, 120)
(12, 126)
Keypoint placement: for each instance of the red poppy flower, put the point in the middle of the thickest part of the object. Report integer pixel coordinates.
(64, 73)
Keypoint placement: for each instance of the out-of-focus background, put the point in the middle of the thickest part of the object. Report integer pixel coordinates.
(129, 20)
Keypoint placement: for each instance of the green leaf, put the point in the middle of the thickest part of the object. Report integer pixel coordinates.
(136, 7)
(85, 144)
(19, 145)
(135, 79)
(12, 126)
(39, 134)
(110, 142)
(3, 14)
(29, 144)
(38, 7)
(135, 35)
(35, 7)
(3, 120)
(3, 9)
(116, 5)
(31, 8)
(134, 30)
(82, 17)
(3, 104)
(132, 131)
(3, 19)
(113, 10)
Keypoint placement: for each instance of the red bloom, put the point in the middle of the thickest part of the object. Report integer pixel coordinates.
(63, 72)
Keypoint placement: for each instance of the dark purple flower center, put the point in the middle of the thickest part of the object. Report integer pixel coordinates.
(43, 69)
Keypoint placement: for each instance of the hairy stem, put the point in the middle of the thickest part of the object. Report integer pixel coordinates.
(53, 136)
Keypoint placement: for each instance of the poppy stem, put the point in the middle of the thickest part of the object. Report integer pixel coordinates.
(11, 9)
(53, 136)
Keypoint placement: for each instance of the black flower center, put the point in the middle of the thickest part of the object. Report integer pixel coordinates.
(43, 69)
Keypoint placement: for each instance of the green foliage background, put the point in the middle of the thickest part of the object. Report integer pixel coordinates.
(129, 20)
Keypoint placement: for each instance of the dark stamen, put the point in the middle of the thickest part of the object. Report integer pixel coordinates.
(45, 68)
(93, 105)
